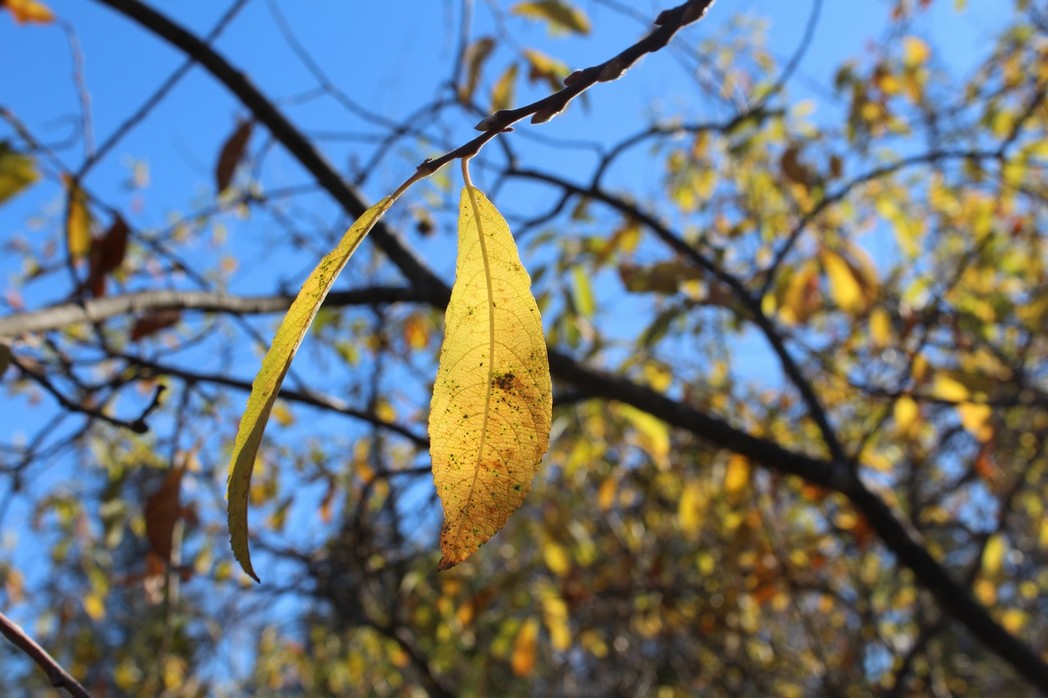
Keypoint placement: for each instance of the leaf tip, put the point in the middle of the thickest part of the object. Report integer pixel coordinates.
(243, 556)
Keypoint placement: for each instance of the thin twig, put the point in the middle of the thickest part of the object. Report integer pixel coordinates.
(59, 677)
(668, 23)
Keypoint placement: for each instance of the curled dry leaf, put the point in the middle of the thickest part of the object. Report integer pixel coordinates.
(231, 155)
(26, 11)
(107, 255)
(151, 323)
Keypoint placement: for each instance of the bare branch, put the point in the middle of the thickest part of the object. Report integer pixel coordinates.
(96, 310)
(59, 677)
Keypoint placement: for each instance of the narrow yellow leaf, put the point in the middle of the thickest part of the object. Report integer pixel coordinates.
(522, 660)
(993, 555)
(560, 15)
(880, 328)
(266, 385)
(845, 288)
(800, 299)
(17, 172)
(653, 436)
(473, 60)
(503, 91)
(555, 613)
(605, 494)
(691, 511)
(976, 420)
(946, 387)
(906, 413)
(737, 474)
(492, 402)
(556, 558)
(78, 220)
(582, 292)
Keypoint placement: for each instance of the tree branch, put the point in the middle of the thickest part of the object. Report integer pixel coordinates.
(59, 677)
(303, 397)
(668, 23)
(92, 311)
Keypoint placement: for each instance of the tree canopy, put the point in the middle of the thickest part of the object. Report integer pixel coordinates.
(791, 270)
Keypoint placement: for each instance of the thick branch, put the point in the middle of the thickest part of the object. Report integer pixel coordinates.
(59, 677)
(266, 113)
(930, 574)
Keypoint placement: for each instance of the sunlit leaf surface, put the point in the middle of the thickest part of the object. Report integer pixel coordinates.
(266, 386)
(492, 401)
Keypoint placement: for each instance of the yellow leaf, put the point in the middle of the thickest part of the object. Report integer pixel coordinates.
(975, 419)
(78, 220)
(946, 387)
(266, 386)
(737, 474)
(416, 331)
(880, 328)
(800, 298)
(542, 67)
(17, 172)
(582, 292)
(94, 607)
(283, 414)
(985, 592)
(906, 413)
(605, 494)
(555, 613)
(845, 287)
(524, 645)
(492, 402)
(993, 555)
(560, 15)
(29, 11)
(473, 58)
(502, 93)
(1014, 620)
(692, 508)
(556, 558)
(653, 434)
(914, 52)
